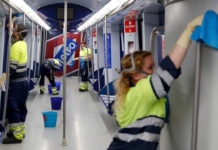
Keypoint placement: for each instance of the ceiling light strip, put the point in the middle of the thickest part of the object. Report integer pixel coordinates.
(109, 7)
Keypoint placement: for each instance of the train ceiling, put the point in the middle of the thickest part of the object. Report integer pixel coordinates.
(78, 9)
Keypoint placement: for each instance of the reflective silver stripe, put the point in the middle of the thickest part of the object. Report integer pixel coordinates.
(145, 136)
(13, 66)
(21, 70)
(17, 131)
(14, 62)
(22, 65)
(14, 125)
(157, 84)
(154, 121)
(19, 80)
(165, 75)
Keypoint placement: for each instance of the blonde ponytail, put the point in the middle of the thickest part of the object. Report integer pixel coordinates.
(126, 81)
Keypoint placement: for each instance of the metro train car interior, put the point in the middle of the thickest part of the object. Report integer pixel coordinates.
(62, 63)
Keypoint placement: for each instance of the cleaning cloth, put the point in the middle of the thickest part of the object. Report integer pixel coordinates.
(207, 33)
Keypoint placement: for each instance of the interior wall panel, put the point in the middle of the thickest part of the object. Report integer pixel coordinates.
(176, 135)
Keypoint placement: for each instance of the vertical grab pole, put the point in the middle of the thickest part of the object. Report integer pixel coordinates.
(42, 45)
(106, 50)
(87, 38)
(64, 143)
(99, 85)
(196, 99)
(36, 50)
(8, 66)
(40, 52)
(31, 49)
(45, 44)
(92, 48)
(79, 58)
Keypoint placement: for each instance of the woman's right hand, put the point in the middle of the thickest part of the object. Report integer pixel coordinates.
(195, 22)
(184, 40)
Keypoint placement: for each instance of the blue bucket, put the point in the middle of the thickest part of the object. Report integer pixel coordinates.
(58, 85)
(56, 103)
(50, 119)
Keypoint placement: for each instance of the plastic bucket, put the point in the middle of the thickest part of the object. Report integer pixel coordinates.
(58, 85)
(49, 89)
(50, 119)
(56, 103)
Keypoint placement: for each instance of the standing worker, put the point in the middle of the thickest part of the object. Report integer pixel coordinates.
(85, 60)
(18, 87)
(140, 102)
(47, 68)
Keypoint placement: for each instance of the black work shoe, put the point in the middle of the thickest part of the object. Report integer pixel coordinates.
(42, 92)
(11, 140)
(10, 134)
(83, 90)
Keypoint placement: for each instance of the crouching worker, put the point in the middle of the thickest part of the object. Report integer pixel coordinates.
(140, 102)
(18, 87)
(48, 68)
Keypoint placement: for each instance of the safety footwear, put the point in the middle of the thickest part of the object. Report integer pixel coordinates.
(22, 131)
(82, 90)
(10, 134)
(42, 92)
(54, 91)
(42, 89)
(83, 87)
(11, 140)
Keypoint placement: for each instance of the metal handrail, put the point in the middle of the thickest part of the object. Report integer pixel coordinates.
(31, 50)
(153, 34)
(64, 143)
(195, 111)
(7, 67)
(106, 50)
(99, 85)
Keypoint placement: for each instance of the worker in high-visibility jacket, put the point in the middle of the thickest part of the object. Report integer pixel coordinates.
(140, 102)
(18, 87)
(85, 60)
(48, 68)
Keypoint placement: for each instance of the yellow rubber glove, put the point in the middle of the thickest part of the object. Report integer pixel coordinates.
(184, 40)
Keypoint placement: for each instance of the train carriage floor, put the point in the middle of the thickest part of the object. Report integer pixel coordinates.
(88, 126)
